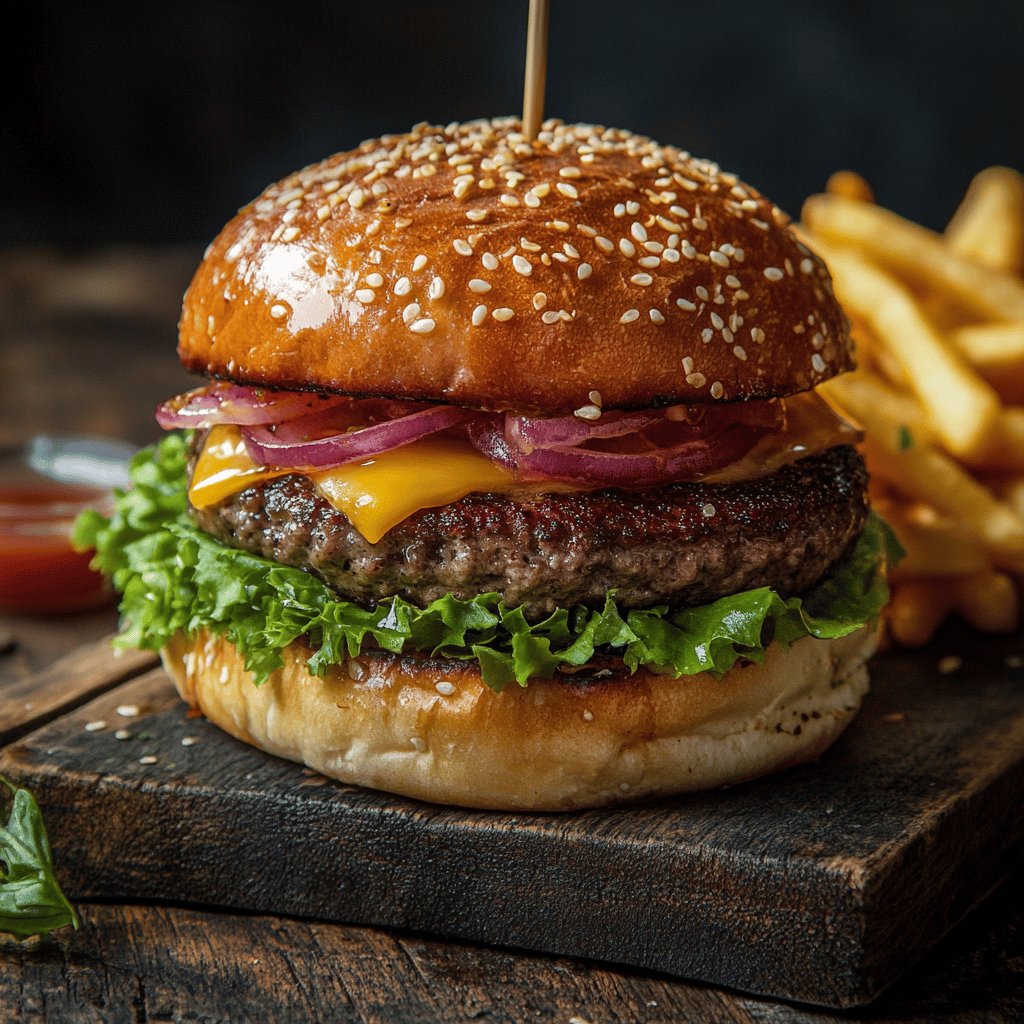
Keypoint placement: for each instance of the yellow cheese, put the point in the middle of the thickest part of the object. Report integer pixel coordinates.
(378, 493)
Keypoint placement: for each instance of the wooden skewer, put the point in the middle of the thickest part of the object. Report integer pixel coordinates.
(536, 67)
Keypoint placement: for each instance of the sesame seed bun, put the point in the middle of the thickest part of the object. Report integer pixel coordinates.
(434, 731)
(464, 264)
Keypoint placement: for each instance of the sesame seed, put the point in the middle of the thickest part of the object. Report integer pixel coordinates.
(696, 380)
(541, 190)
(489, 260)
(411, 312)
(586, 230)
(642, 279)
(436, 289)
(148, 759)
(531, 200)
(806, 266)
(444, 687)
(718, 258)
(479, 314)
(740, 353)
(686, 304)
(619, 210)
(818, 363)
(567, 190)
(717, 322)
(522, 265)
(706, 335)
(732, 281)
(476, 215)
(189, 741)
(540, 300)
(570, 250)
(629, 316)
(588, 412)
(128, 710)
(708, 510)
(277, 311)
(650, 262)
(419, 263)
(638, 231)
(727, 335)
(688, 250)
(550, 317)
(461, 189)
(588, 716)
(95, 726)
(356, 198)
(403, 286)
(508, 200)
(670, 255)
(323, 212)
(632, 208)
(717, 391)
(422, 326)
(479, 286)
(595, 397)
(365, 295)
(290, 234)
(773, 274)
(583, 271)
(374, 280)
(818, 342)
(122, 734)
(503, 313)
(656, 316)
(702, 293)
(569, 172)
(699, 223)
(756, 335)
(626, 247)
(462, 247)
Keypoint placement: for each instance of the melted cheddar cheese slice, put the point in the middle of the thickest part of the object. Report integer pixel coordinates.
(375, 494)
(379, 493)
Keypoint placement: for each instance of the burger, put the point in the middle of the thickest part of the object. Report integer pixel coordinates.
(510, 488)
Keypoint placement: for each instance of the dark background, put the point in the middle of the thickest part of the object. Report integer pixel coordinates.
(136, 122)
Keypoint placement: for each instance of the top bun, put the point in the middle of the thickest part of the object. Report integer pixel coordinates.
(465, 264)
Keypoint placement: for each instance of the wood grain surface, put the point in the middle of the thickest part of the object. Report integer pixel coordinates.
(820, 885)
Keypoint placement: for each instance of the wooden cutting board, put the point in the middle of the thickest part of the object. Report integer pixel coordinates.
(821, 884)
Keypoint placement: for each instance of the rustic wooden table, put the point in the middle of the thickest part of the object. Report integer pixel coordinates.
(87, 346)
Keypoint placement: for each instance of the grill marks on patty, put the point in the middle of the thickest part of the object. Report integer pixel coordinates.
(685, 544)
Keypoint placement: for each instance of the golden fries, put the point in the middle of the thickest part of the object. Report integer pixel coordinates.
(989, 225)
(939, 325)
(915, 253)
(961, 407)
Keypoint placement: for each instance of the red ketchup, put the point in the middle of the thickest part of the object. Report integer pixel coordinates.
(39, 570)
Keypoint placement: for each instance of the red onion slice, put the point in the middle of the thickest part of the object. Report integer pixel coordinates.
(528, 432)
(242, 406)
(688, 461)
(270, 449)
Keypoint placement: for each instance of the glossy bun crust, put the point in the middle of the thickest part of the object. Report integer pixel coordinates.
(434, 731)
(464, 264)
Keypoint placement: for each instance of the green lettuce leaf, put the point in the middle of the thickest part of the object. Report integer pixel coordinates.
(174, 578)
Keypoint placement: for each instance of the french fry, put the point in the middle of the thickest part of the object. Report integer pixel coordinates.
(960, 406)
(914, 251)
(917, 609)
(938, 548)
(851, 185)
(1003, 451)
(995, 345)
(988, 227)
(855, 391)
(988, 601)
(929, 475)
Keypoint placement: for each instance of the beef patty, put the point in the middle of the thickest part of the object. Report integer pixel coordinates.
(684, 544)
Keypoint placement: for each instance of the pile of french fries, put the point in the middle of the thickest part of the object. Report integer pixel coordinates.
(939, 325)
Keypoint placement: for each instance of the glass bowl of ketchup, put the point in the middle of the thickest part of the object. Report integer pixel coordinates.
(44, 484)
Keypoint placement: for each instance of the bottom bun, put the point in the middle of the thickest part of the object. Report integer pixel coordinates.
(433, 730)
